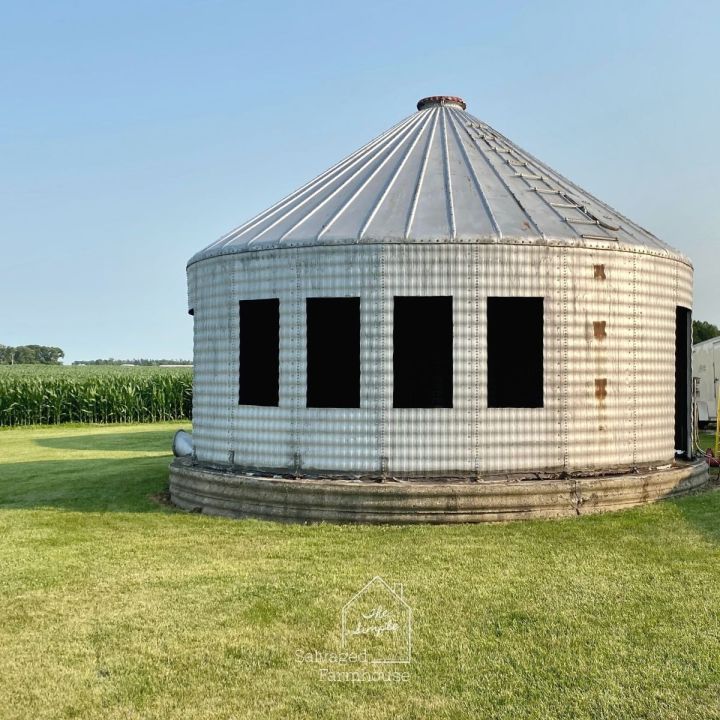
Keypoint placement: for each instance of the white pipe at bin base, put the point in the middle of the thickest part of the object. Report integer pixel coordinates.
(182, 444)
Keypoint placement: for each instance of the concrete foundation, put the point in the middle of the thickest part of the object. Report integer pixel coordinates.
(220, 491)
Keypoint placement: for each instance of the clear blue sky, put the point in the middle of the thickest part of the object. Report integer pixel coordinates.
(132, 134)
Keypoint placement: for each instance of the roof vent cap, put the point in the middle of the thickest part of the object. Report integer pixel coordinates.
(434, 100)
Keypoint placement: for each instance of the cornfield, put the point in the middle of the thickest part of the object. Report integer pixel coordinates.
(46, 395)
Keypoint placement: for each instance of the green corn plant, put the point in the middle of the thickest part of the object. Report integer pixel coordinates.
(38, 394)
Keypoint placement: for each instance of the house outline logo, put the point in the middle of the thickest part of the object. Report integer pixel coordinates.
(404, 628)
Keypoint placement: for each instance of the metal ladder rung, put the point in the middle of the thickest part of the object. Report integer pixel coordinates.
(581, 222)
(599, 237)
(547, 192)
(529, 177)
(565, 205)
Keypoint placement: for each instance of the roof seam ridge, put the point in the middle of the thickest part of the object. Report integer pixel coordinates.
(497, 174)
(393, 148)
(510, 149)
(337, 168)
(393, 178)
(331, 195)
(421, 174)
(448, 178)
(361, 161)
(562, 180)
(478, 183)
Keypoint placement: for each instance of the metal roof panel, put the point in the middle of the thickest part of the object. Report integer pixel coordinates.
(440, 175)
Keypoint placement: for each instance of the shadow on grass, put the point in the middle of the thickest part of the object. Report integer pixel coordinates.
(701, 510)
(111, 484)
(141, 441)
(87, 485)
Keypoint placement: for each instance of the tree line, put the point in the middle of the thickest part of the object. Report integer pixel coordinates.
(137, 361)
(30, 355)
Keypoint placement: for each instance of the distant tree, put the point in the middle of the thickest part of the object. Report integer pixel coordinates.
(23, 355)
(704, 331)
(30, 355)
(46, 355)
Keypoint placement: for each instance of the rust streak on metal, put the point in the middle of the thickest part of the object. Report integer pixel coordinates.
(599, 329)
(599, 272)
(600, 388)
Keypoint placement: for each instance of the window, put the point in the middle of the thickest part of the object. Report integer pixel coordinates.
(333, 352)
(423, 352)
(683, 378)
(259, 352)
(515, 352)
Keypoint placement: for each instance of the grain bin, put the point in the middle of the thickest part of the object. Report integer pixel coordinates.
(440, 328)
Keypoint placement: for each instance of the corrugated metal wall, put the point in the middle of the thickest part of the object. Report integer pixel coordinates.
(609, 400)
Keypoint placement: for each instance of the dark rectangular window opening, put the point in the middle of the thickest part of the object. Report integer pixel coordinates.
(423, 352)
(333, 352)
(683, 379)
(259, 352)
(515, 352)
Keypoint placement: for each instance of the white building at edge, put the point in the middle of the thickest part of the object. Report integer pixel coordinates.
(706, 368)
(440, 302)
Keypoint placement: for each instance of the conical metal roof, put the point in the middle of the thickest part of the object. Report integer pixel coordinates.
(440, 175)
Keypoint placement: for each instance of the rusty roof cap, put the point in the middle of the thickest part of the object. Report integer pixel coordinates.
(433, 100)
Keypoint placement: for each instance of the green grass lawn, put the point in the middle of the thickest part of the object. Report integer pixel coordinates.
(113, 605)
(707, 440)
